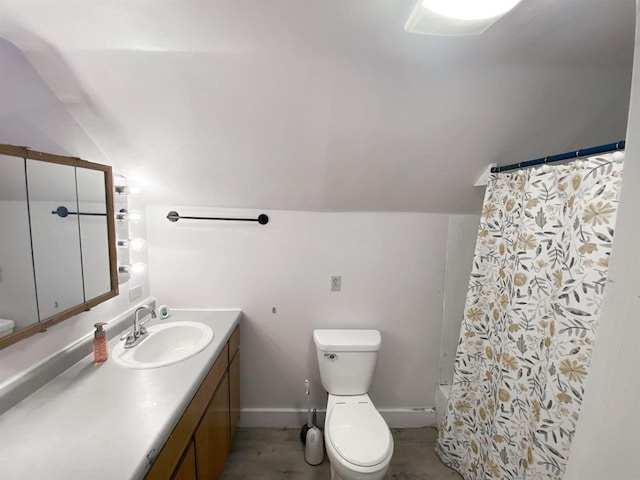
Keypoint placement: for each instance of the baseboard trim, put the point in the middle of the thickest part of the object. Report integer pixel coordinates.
(409, 417)
(292, 418)
(275, 418)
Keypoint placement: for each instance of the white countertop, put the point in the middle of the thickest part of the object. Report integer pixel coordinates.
(102, 422)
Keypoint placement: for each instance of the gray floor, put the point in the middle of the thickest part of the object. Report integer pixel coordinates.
(270, 454)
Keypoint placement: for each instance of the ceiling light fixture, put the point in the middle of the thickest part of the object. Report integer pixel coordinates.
(456, 17)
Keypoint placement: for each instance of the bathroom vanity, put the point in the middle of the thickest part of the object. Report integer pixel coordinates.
(108, 421)
(200, 442)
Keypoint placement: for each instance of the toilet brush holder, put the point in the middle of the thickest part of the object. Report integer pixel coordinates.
(314, 446)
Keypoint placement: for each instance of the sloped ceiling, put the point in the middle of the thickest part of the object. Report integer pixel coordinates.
(326, 105)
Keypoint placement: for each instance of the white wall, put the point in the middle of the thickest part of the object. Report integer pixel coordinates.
(31, 115)
(461, 243)
(607, 440)
(392, 267)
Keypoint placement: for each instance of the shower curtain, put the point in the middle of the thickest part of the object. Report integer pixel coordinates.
(530, 320)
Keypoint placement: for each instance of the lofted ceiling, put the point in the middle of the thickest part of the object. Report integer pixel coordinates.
(326, 105)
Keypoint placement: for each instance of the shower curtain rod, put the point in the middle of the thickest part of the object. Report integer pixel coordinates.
(585, 152)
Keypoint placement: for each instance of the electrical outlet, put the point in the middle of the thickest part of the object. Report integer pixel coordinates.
(135, 292)
(336, 284)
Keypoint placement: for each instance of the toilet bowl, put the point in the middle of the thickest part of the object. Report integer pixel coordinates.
(358, 441)
(6, 327)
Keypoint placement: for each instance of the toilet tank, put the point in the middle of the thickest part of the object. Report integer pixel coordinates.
(6, 327)
(347, 359)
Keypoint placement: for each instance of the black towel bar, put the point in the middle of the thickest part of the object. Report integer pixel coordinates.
(262, 219)
(64, 211)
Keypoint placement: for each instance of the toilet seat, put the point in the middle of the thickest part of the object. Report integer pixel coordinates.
(359, 434)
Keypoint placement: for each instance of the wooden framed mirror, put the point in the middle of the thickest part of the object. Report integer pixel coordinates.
(58, 255)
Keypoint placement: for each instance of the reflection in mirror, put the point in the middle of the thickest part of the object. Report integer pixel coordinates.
(93, 232)
(55, 239)
(54, 263)
(17, 287)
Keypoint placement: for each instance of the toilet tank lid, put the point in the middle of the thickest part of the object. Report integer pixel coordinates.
(347, 340)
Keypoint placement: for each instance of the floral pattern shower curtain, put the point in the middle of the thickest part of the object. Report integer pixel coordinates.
(530, 322)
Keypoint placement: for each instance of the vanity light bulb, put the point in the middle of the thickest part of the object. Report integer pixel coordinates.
(135, 216)
(138, 268)
(135, 190)
(127, 189)
(138, 244)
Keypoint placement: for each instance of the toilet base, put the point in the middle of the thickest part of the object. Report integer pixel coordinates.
(357, 476)
(334, 475)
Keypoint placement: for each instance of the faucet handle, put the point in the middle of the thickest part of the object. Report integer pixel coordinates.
(129, 333)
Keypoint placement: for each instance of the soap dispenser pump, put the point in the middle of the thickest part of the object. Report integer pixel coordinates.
(100, 352)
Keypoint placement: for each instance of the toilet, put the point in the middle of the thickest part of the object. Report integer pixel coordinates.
(358, 441)
(6, 327)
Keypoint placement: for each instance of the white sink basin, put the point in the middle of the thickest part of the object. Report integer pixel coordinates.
(166, 344)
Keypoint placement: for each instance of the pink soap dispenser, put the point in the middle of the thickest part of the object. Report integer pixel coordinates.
(100, 352)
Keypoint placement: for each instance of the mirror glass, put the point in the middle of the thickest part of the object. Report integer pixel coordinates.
(17, 287)
(94, 245)
(58, 255)
(55, 239)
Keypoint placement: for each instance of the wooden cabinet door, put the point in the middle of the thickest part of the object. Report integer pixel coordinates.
(234, 393)
(187, 468)
(212, 437)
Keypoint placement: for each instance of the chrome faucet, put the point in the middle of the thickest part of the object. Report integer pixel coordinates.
(135, 336)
